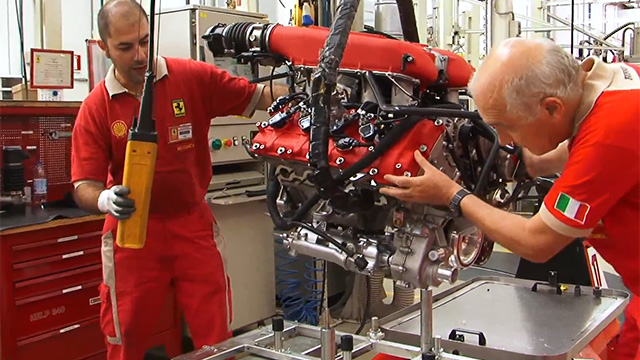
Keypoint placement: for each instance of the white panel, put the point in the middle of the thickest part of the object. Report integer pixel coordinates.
(10, 60)
(76, 28)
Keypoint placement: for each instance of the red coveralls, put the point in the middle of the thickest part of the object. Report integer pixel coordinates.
(183, 245)
(599, 190)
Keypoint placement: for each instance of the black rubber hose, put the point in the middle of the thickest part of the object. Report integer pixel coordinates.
(491, 159)
(408, 21)
(322, 88)
(391, 139)
(439, 112)
(336, 42)
(618, 29)
(273, 188)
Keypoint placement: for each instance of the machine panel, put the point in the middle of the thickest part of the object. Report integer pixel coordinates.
(226, 142)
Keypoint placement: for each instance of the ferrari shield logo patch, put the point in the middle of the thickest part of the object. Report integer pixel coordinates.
(179, 109)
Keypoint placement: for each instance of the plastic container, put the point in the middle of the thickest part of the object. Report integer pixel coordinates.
(39, 194)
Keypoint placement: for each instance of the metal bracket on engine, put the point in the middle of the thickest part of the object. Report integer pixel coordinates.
(441, 61)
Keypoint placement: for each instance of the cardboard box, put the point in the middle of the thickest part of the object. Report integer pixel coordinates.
(19, 92)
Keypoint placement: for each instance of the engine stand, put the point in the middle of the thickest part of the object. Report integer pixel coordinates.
(426, 320)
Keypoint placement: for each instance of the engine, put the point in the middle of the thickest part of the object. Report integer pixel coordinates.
(359, 106)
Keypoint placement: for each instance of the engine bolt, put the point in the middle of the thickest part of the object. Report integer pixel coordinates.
(339, 160)
(407, 174)
(371, 148)
(423, 148)
(433, 255)
(265, 124)
(289, 151)
(373, 171)
(261, 146)
(308, 156)
(252, 37)
(258, 124)
(280, 150)
(256, 146)
(438, 122)
(398, 166)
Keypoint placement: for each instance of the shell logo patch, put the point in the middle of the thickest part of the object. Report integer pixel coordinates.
(119, 129)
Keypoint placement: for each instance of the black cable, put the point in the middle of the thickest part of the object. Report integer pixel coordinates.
(324, 284)
(19, 16)
(408, 21)
(273, 71)
(572, 24)
(273, 188)
(618, 29)
(367, 307)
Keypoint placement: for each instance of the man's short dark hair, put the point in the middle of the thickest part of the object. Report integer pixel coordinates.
(106, 10)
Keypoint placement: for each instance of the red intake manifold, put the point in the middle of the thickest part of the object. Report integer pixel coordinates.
(302, 46)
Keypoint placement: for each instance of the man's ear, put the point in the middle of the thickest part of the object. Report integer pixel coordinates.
(553, 106)
(103, 47)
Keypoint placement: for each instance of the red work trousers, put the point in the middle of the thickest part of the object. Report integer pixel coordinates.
(184, 253)
(627, 346)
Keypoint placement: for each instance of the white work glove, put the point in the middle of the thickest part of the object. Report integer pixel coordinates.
(115, 202)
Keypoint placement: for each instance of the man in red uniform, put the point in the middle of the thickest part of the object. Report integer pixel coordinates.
(183, 246)
(581, 119)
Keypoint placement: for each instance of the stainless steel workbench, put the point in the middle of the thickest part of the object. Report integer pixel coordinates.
(515, 322)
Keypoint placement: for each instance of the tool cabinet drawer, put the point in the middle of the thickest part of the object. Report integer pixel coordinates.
(58, 309)
(65, 281)
(74, 342)
(55, 246)
(56, 264)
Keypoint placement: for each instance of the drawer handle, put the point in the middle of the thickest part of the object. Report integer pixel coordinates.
(72, 289)
(68, 238)
(69, 328)
(73, 254)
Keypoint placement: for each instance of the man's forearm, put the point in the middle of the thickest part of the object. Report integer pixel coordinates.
(86, 196)
(266, 99)
(549, 163)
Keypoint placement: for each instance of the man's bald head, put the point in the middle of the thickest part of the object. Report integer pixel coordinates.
(127, 11)
(519, 73)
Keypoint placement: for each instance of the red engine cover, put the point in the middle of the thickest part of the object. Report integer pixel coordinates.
(302, 46)
(291, 143)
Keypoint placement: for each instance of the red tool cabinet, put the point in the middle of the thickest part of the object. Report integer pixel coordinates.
(49, 299)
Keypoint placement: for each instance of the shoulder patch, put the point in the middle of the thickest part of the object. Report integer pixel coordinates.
(572, 208)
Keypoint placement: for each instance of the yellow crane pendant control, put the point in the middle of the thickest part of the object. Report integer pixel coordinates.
(140, 159)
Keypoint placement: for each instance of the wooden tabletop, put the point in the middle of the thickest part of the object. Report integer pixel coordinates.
(50, 224)
(30, 103)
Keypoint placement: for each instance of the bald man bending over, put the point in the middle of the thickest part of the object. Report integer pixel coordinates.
(581, 119)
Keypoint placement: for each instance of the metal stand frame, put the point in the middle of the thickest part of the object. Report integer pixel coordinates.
(272, 343)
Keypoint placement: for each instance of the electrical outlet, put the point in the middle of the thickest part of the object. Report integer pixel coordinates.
(49, 95)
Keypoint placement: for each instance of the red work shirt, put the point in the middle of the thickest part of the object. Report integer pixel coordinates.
(187, 96)
(598, 193)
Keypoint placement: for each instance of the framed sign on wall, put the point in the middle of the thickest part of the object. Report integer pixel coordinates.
(51, 69)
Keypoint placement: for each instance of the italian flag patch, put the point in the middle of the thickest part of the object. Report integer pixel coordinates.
(572, 208)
